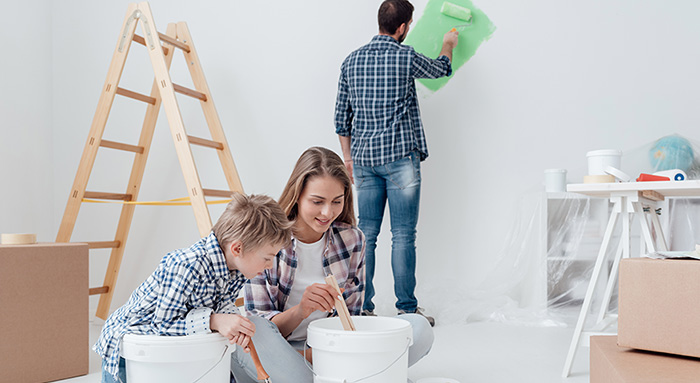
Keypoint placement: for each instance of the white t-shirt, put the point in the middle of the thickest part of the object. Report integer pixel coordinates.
(309, 271)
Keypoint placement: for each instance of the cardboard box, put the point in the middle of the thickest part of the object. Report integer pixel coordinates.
(43, 312)
(613, 364)
(659, 305)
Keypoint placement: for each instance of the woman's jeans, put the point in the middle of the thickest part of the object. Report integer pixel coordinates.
(398, 183)
(285, 365)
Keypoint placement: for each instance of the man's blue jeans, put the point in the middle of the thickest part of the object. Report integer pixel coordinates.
(399, 183)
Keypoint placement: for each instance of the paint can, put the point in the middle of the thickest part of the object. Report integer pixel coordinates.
(377, 352)
(201, 358)
(555, 180)
(598, 160)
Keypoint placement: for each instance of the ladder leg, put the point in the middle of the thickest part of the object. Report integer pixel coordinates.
(133, 188)
(210, 114)
(573, 347)
(177, 127)
(99, 121)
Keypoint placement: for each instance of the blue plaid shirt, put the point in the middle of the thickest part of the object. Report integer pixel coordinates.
(377, 104)
(185, 281)
(344, 257)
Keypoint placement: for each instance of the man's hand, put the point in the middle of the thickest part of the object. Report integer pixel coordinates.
(237, 329)
(449, 42)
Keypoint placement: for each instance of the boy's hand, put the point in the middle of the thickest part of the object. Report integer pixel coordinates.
(318, 296)
(236, 328)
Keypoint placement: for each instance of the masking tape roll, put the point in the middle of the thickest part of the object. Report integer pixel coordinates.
(598, 179)
(17, 239)
(617, 173)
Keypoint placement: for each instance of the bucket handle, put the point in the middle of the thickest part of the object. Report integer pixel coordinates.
(215, 364)
(310, 367)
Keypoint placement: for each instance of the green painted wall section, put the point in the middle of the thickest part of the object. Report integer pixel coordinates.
(425, 36)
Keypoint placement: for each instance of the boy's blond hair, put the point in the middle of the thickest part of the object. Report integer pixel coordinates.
(255, 220)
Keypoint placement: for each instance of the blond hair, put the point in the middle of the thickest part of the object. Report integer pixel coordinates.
(255, 220)
(317, 161)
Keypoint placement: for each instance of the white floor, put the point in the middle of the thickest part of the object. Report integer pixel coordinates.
(478, 352)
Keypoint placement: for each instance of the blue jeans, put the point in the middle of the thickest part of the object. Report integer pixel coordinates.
(399, 183)
(285, 365)
(108, 378)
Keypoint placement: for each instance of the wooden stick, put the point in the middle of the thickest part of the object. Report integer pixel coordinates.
(340, 305)
(217, 193)
(262, 374)
(189, 92)
(121, 146)
(204, 142)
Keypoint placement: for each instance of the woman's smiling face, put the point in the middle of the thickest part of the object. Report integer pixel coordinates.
(319, 205)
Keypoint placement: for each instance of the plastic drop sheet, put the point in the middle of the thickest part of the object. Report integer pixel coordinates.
(542, 273)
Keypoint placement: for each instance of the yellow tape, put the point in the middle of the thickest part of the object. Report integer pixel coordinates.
(169, 202)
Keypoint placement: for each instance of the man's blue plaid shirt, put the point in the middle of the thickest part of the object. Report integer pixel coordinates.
(185, 281)
(377, 105)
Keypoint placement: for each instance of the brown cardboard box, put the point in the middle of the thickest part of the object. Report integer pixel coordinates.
(659, 305)
(613, 364)
(43, 312)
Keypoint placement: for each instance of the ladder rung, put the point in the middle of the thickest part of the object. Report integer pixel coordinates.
(99, 290)
(217, 193)
(120, 146)
(101, 195)
(142, 41)
(136, 96)
(174, 42)
(204, 142)
(103, 244)
(189, 92)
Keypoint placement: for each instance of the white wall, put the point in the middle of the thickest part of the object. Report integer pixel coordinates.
(26, 185)
(556, 80)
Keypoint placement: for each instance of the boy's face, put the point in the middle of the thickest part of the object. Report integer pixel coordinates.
(250, 263)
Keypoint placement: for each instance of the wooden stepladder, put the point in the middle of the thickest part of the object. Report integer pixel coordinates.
(161, 49)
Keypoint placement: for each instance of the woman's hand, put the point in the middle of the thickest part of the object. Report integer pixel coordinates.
(318, 296)
(237, 329)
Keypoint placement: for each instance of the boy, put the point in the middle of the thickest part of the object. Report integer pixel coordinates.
(193, 290)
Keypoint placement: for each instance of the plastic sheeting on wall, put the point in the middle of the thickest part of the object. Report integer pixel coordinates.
(541, 276)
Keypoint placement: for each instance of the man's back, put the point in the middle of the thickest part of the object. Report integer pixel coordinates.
(377, 100)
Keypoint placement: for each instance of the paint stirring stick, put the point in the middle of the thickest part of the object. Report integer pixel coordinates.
(340, 305)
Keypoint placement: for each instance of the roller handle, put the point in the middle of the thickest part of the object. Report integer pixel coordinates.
(262, 375)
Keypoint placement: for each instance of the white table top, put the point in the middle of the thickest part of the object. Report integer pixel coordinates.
(688, 188)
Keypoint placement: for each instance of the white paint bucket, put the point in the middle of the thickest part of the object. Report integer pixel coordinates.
(377, 352)
(201, 358)
(598, 160)
(555, 180)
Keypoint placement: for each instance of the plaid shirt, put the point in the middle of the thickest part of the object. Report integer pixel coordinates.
(377, 104)
(344, 257)
(185, 280)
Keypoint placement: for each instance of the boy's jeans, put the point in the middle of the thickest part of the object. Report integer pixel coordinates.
(399, 183)
(108, 378)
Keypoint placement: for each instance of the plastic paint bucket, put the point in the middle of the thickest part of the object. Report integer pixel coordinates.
(377, 352)
(555, 180)
(598, 160)
(201, 358)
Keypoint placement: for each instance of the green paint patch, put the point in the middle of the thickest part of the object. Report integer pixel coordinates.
(427, 33)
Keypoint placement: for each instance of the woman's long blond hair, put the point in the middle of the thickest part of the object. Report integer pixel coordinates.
(317, 161)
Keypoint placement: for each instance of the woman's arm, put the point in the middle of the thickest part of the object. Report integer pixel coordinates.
(318, 296)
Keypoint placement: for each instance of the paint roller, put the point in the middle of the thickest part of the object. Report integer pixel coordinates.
(457, 12)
